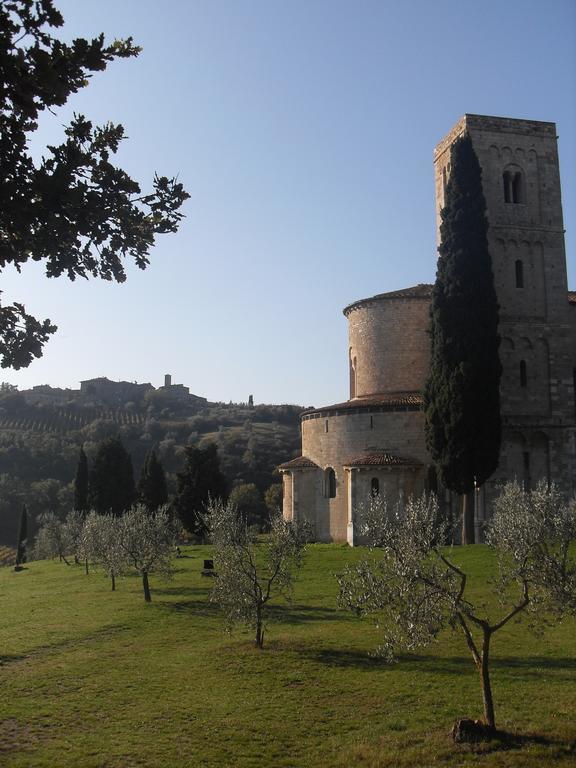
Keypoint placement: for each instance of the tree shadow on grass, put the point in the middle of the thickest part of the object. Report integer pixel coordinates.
(46, 649)
(301, 614)
(504, 741)
(192, 605)
(196, 591)
(528, 666)
(523, 666)
(338, 658)
(197, 600)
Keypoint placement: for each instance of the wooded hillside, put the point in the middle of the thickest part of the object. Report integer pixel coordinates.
(39, 445)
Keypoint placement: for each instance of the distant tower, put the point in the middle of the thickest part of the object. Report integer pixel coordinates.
(251, 401)
(167, 380)
(521, 182)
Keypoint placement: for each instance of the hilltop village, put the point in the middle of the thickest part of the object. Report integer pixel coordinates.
(104, 391)
(42, 429)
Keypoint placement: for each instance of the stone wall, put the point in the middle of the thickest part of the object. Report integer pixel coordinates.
(394, 483)
(389, 349)
(334, 439)
(306, 491)
(331, 441)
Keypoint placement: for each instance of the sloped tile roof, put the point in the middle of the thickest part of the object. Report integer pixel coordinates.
(420, 291)
(381, 459)
(300, 462)
(387, 399)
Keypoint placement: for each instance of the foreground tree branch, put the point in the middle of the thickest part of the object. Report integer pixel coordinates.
(74, 210)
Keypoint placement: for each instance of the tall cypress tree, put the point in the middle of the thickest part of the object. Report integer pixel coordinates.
(111, 479)
(152, 489)
(81, 483)
(462, 399)
(201, 480)
(22, 538)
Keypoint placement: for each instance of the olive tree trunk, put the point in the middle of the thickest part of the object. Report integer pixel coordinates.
(484, 669)
(146, 586)
(259, 641)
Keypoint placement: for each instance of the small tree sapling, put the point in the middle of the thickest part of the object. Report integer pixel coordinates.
(101, 544)
(416, 589)
(251, 574)
(148, 542)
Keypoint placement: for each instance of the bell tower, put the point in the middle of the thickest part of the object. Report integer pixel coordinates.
(521, 183)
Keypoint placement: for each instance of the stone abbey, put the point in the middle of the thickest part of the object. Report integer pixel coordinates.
(374, 442)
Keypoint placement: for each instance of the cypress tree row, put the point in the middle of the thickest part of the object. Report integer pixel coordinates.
(152, 489)
(200, 481)
(462, 397)
(111, 479)
(81, 484)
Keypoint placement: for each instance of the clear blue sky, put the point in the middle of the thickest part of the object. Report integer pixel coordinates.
(304, 132)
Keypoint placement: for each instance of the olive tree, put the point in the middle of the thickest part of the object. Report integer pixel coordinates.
(52, 539)
(251, 574)
(416, 589)
(148, 542)
(73, 530)
(101, 544)
(542, 557)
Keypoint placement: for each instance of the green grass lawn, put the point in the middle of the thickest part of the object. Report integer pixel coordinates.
(94, 678)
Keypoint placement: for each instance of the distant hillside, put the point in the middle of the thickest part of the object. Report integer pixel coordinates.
(7, 555)
(62, 419)
(39, 443)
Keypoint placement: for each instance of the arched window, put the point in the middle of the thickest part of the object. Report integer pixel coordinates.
(326, 425)
(517, 188)
(513, 184)
(507, 180)
(329, 483)
(519, 268)
(523, 374)
(375, 486)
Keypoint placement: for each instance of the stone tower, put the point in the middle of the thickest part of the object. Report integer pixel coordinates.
(374, 442)
(521, 182)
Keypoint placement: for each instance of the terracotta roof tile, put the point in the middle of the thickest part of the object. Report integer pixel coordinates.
(300, 462)
(381, 459)
(420, 291)
(389, 399)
